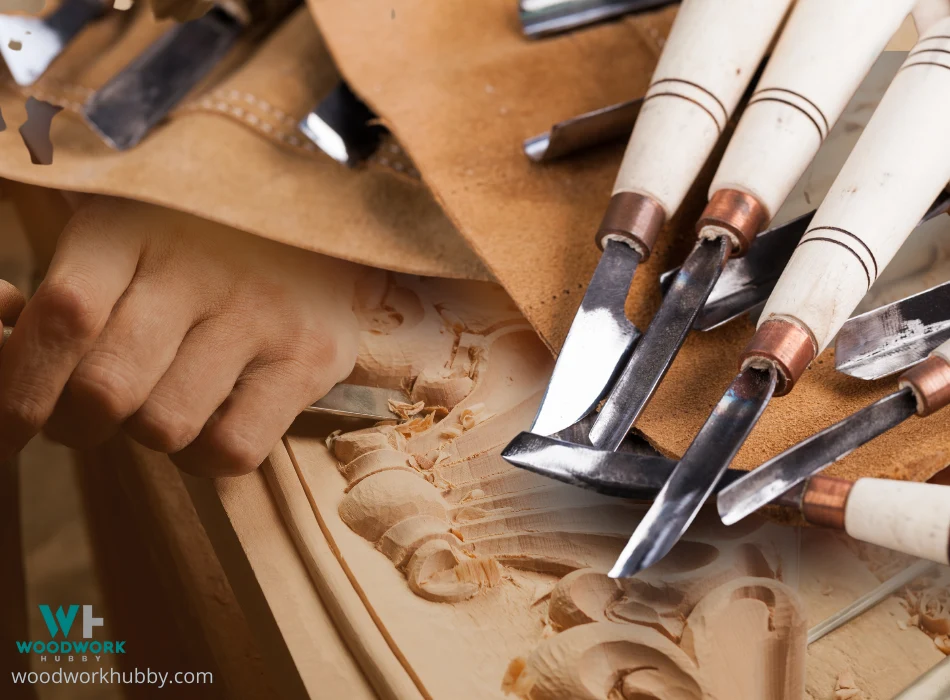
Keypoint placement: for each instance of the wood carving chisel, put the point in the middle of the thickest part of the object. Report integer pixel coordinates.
(746, 282)
(124, 109)
(923, 390)
(823, 55)
(896, 170)
(906, 517)
(708, 60)
(30, 44)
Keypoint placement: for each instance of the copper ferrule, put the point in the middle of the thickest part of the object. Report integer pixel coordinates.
(740, 214)
(824, 501)
(633, 218)
(784, 345)
(930, 382)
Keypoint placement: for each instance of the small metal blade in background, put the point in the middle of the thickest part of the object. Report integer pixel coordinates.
(599, 342)
(746, 282)
(30, 44)
(584, 131)
(540, 18)
(870, 599)
(807, 458)
(659, 345)
(343, 127)
(698, 472)
(618, 474)
(894, 337)
(123, 110)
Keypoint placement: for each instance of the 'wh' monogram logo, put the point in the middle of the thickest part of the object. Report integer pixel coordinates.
(63, 621)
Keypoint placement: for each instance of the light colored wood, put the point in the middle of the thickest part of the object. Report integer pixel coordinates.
(823, 54)
(709, 58)
(943, 351)
(898, 167)
(904, 516)
(487, 580)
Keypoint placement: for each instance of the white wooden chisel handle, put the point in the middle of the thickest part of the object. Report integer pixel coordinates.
(826, 49)
(899, 165)
(707, 62)
(929, 12)
(905, 516)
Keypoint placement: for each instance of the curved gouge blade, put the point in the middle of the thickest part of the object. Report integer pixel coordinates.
(598, 343)
(698, 472)
(618, 474)
(540, 18)
(124, 109)
(656, 349)
(807, 458)
(894, 337)
(355, 401)
(39, 40)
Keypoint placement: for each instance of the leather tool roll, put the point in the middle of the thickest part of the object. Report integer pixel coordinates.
(231, 152)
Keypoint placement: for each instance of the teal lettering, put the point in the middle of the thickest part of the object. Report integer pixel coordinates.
(24, 647)
(65, 620)
(120, 647)
(80, 647)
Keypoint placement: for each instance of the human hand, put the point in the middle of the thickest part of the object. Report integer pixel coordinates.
(195, 339)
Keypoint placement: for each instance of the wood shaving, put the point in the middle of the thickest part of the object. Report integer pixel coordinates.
(406, 410)
(846, 688)
(331, 438)
(943, 643)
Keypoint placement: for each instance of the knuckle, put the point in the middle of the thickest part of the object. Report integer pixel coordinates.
(233, 449)
(164, 429)
(104, 382)
(24, 412)
(67, 308)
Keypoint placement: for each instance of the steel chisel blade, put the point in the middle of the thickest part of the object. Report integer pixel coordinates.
(807, 458)
(698, 472)
(656, 349)
(618, 474)
(598, 343)
(140, 96)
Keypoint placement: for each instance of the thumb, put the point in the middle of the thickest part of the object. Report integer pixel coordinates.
(12, 302)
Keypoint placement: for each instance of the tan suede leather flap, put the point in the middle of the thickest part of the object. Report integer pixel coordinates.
(232, 153)
(461, 88)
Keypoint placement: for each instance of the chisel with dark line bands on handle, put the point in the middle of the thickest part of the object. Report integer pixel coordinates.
(707, 63)
(824, 53)
(896, 170)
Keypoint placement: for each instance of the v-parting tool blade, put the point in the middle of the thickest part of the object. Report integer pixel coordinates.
(695, 477)
(30, 44)
(807, 458)
(140, 96)
(660, 344)
(599, 342)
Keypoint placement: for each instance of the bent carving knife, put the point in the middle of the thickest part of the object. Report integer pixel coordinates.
(906, 517)
(924, 389)
(688, 104)
(30, 44)
(124, 109)
(823, 55)
(898, 167)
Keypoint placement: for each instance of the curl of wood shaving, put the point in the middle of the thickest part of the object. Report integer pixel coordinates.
(943, 643)
(846, 688)
(331, 438)
(933, 606)
(406, 410)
